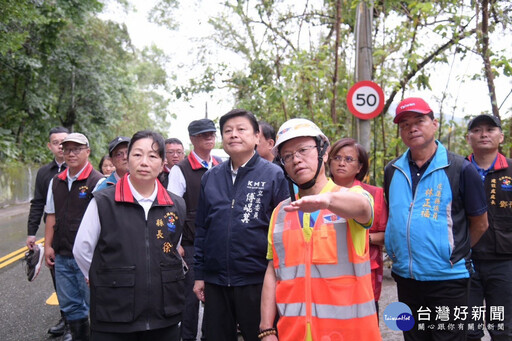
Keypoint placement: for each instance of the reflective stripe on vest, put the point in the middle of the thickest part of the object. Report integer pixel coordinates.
(328, 311)
(343, 267)
(322, 282)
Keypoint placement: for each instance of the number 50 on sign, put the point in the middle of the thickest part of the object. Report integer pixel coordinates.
(365, 100)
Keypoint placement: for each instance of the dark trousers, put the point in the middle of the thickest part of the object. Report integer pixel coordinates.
(191, 312)
(426, 300)
(225, 307)
(171, 333)
(492, 282)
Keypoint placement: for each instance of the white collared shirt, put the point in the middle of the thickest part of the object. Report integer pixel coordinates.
(177, 183)
(234, 173)
(90, 229)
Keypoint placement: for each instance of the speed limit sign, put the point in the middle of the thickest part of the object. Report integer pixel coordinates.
(365, 100)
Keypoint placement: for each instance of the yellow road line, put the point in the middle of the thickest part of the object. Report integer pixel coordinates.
(52, 300)
(15, 255)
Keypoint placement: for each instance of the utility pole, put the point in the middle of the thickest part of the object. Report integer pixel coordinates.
(364, 62)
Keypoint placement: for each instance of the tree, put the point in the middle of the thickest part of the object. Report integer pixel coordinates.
(76, 70)
(289, 50)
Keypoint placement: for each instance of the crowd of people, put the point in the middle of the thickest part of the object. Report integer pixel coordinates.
(284, 240)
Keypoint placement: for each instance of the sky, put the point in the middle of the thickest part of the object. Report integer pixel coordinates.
(469, 97)
(178, 46)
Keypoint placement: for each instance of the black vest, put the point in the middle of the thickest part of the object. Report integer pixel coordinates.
(192, 177)
(136, 275)
(70, 206)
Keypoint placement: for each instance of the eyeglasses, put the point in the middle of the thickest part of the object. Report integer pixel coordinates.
(300, 153)
(347, 159)
(174, 152)
(120, 155)
(75, 151)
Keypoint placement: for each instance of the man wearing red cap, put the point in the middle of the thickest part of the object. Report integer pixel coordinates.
(492, 256)
(437, 211)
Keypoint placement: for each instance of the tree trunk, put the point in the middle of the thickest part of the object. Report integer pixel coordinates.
(485, 56)
(335, 74)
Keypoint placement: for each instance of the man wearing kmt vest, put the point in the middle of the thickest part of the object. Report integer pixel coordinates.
(318, 275)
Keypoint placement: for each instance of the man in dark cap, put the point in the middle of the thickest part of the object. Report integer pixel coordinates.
(185, 181)
(492, 255)
(437, 212)
(118, 151)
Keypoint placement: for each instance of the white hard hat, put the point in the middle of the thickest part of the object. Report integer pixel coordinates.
(297, 127)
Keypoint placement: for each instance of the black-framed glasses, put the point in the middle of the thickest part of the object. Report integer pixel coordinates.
(300, 153)
(75, 150)
(347, 159)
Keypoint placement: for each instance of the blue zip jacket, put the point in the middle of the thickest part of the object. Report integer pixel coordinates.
(232, 221)
(427, 234)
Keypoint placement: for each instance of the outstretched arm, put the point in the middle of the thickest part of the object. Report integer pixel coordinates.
(346, 204)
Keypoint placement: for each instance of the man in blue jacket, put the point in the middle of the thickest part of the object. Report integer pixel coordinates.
(236, 201)
(437, 211)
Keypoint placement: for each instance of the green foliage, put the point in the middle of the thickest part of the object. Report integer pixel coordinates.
(163, 13)
(288, 49)
(70, 68)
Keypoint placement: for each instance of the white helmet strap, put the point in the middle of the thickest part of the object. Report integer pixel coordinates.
(321, 148)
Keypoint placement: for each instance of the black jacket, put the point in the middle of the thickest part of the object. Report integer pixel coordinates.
(136, 275)
(192, 171)
(70, 206)
(496, 243)
(43, 178)
(232, 222)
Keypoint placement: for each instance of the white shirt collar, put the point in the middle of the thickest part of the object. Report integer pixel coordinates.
(137, 196)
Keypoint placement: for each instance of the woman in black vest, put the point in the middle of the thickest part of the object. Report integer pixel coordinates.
(127, 248)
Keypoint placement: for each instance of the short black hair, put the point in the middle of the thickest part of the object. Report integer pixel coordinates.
(236, 113)
(57, 130)
(173, 140)
(156, 137)
(362, 155)
(267, 130)
(105, 157)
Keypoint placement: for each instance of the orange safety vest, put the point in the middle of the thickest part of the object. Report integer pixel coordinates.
(322, 282)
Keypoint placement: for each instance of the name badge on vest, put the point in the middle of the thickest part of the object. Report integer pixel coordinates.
(82, 194)
(333, 219)
(171, 218)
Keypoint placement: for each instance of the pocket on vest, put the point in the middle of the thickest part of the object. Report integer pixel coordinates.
(325, 250)
(503, 235)
(173, 287)
(114, 294)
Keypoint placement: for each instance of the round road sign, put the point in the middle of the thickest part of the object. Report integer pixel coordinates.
(365, 100)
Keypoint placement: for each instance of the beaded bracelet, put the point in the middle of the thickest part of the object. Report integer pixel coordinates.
(267, 332)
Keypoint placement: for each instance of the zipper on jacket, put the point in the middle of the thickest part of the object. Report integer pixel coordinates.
(409, 235)
(409, 216)
(148, 268)
(309, 252)
(228, 259)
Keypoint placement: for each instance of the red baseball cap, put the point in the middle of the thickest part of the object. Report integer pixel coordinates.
(411, 104)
